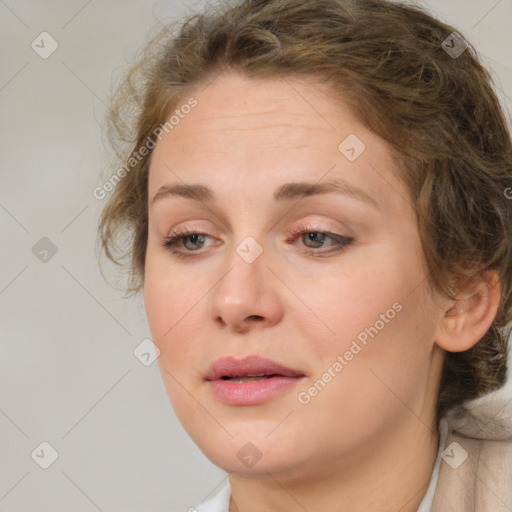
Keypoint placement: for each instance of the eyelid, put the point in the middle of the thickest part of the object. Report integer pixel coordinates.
(311, 226)
(318, 226)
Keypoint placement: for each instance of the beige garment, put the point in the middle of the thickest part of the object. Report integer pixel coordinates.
(483, 481)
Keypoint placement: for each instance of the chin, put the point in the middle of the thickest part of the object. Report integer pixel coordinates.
(248, 460)
(251, 450)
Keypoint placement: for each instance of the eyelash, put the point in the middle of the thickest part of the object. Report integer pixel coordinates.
(340, 242)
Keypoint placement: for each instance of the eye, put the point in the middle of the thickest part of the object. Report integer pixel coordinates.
(314, 239)
(189, 239)
(183, 243)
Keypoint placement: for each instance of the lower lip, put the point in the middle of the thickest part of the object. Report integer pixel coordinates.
(253, 392)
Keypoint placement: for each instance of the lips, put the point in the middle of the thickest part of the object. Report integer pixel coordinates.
(252, 380)
(249, 368)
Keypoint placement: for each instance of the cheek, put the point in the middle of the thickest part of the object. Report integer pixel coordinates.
(164, 297)
(165, 304)
(346, 300)
(375, 313)
(158, 300)
(175, 306)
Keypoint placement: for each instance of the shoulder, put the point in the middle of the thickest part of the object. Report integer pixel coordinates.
(475, 474)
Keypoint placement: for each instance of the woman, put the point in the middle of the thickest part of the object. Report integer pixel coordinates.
(317, 197)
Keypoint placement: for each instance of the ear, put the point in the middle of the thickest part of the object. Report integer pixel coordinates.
(468, 318)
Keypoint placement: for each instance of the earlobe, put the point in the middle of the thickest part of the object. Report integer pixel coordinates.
(467, 319)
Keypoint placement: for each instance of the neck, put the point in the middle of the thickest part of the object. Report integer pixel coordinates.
(392, 474)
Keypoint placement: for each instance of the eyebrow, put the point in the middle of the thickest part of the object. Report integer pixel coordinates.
(286, 192)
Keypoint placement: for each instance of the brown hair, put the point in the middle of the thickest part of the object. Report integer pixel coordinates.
(438, 112)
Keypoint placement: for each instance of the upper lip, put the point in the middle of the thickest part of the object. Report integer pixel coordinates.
(231, 367)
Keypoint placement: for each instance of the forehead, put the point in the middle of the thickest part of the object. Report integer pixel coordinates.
(263, 132)
(292, 104)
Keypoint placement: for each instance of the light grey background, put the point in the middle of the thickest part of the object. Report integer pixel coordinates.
(68, 375)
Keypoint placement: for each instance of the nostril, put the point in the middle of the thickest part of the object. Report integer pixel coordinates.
(220, 320)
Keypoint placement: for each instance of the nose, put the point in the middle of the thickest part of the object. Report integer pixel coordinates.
(246, 297)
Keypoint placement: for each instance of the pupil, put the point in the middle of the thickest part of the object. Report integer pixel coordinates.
(194, 239)
(315, 237)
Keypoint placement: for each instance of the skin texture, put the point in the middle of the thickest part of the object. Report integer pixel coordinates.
(365, 441)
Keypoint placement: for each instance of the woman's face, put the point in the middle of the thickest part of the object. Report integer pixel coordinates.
(325, 278)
